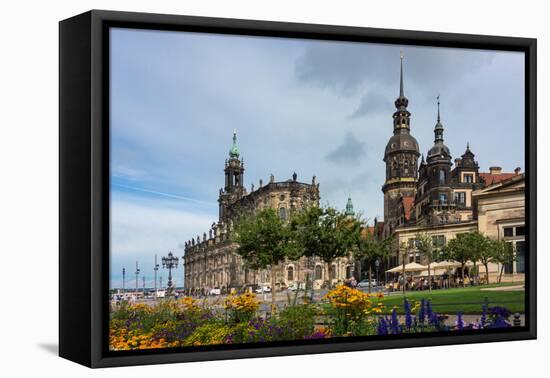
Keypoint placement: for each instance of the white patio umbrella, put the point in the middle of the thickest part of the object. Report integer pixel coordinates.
(410, 267)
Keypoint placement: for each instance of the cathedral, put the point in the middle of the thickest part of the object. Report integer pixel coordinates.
(211, 261)
(429, 194)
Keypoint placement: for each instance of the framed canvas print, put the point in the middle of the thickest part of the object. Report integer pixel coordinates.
(234, 188)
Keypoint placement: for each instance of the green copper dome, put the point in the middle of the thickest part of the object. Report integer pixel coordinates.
(349, 208)
(234, 151)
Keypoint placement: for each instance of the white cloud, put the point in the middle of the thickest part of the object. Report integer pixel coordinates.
(142, 227)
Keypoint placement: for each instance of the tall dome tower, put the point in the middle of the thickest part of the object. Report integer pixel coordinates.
(401, 158)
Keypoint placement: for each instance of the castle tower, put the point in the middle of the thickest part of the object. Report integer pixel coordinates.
(234, 178)
(438, 174)
(401, 157)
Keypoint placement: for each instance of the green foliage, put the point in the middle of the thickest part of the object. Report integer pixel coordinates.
(426, 248)
(459, 249)
(296, 321)
(209, 334)
(264, 239)
(369, 248)
(502, 253)
(325, 232)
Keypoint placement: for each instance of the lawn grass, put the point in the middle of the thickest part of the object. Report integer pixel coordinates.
(469, 300)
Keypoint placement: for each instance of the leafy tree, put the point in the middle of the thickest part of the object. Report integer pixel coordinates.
(459, 249)
(478, 245)
(503, 253)
(324, 232)
(264, 241)
(424, 245)
(370, 249)
(481, 251)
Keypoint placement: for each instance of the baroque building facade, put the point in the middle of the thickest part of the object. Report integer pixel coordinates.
(211, 261)
(442, 199)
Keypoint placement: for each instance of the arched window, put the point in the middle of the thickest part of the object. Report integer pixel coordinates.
(318, 272)
(333, 272)
(290, 273)
(406, 167)
(348, 271)
(282, 213)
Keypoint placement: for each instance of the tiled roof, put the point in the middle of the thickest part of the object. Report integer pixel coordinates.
(491, 178)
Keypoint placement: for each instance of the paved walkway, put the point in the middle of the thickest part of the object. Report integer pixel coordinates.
(505, 288)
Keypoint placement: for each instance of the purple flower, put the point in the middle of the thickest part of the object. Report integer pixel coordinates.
(316, 335)
(408, 317)
(422, 311)
(434, 319)
(459, 321)
(483, 320)
(429, 311)
(500, 311)
(382, 326)
(394, 322)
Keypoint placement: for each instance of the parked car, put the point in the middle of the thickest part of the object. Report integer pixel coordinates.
(365, 283)
(263, 289)
(297, 286)
(215, 291)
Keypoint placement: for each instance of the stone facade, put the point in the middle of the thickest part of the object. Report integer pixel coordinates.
(211, 261)
(442, 201)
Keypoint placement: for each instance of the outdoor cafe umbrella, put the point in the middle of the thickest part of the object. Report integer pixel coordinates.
(410, 267)
(445, 265)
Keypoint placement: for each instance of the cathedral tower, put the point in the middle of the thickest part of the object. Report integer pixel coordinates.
(401, 156)
(234, 178)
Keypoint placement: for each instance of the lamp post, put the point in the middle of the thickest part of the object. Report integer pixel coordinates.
(123, 280)
(169, 262)
(377, 265)
(137, 276)
(156, 268)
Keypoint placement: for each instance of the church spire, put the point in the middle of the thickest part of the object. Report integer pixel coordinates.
(234, 151)
(401, 117)
(349, 208)
(401, 91)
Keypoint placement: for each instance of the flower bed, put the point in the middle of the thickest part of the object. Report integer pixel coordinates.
(346, 312)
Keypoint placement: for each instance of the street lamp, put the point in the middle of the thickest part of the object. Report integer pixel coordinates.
(156, 268)
(137, 276)
(123, 280)
(170, 262)
(377, 265)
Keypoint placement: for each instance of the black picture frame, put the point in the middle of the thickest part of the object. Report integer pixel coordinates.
(84, 183)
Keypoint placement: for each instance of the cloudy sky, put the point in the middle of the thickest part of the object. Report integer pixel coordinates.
(314, 107)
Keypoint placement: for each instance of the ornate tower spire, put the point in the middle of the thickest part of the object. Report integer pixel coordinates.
(401, 92)
(349, 208)
(401, 118)
(234, 151)
(401, 158)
